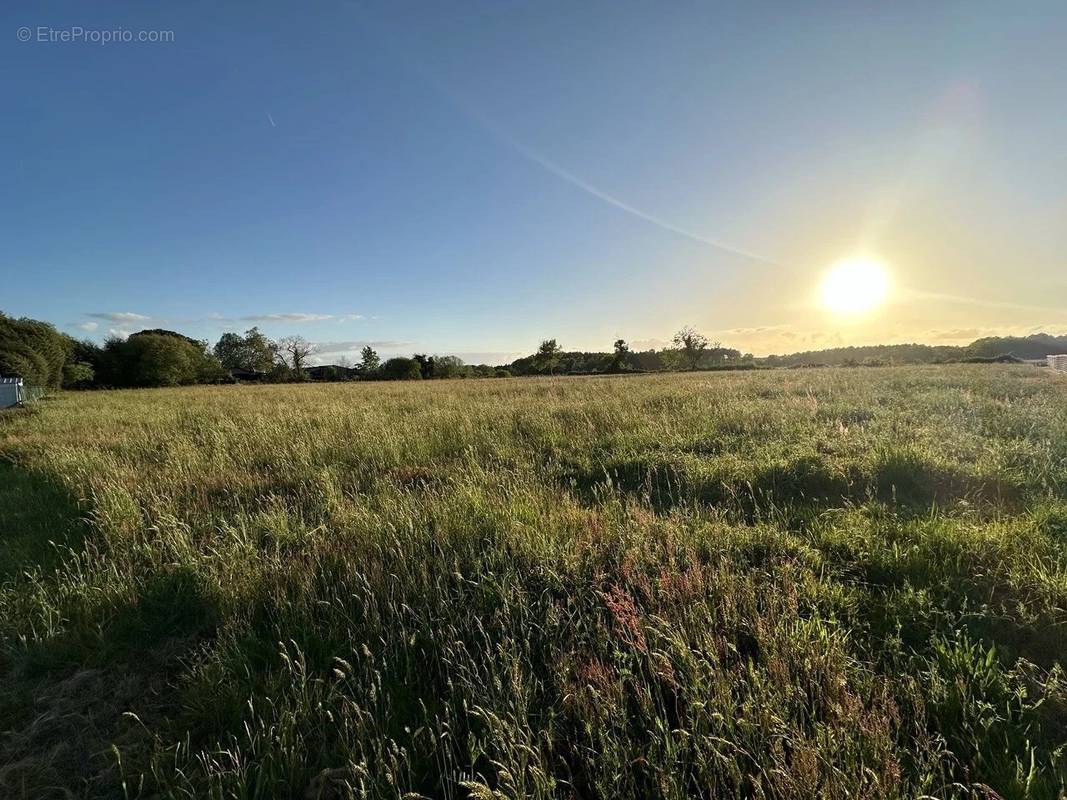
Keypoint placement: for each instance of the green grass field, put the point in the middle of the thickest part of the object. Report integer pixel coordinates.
(792, 584)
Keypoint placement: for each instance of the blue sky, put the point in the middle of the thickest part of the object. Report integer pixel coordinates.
(472, 177)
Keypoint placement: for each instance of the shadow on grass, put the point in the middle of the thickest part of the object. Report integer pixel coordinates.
(905, 480)
(63, 695)
(39, 518)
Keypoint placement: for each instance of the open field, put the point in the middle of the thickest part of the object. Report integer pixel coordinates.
(806, 583)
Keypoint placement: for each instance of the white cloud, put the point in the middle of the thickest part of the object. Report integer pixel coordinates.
(88, 327)
(118, 333)
(118, 316)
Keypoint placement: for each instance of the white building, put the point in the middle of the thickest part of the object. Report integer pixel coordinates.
(1058, 363)
(10, 392)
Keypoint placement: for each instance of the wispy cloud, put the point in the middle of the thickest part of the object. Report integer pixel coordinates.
(118, 316)
(490, 357)
(760, 329)
(118, 333)
(331, 352)
(913, 294)
(641, 345)
(287, 317)
(326, 348)
(88, 327)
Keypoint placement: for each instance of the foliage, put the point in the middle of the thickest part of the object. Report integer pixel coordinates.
(1036, 345)
(803, 584)
(401, 369)
(548, 356)
(450, 367)
(78, 375)
(591, 363)
(253, 351)
(690, 346)
(33, 350)
(369, 360)
(621, 359)
(157, 359)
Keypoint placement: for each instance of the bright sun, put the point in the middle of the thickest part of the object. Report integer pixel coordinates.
(854, 285)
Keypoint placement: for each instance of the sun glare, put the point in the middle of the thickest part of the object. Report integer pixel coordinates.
(854, 286)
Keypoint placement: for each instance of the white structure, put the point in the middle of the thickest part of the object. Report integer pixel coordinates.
(1058, 363)
(10, 392)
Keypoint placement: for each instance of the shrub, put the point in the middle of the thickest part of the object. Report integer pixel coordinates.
(401, 369)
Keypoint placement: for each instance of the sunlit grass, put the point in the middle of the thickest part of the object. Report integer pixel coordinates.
(828, 583)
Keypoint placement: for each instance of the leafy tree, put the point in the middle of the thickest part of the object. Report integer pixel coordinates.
(1037, 345)
(173, 334)
(690, 345)
(78, 375)
(649, 360)
(229, 350)
(157, 358)
(253, 351)
(86, 351)
(32, 350)
(449, 367)
(401, 369)
(622, 355)
(426, 364)
(369, 360)
(548, 355)
(148, 360)
(280, 373)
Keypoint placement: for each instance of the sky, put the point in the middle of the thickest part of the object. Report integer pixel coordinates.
(473, 177)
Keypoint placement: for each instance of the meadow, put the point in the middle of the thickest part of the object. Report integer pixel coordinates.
(835, 583)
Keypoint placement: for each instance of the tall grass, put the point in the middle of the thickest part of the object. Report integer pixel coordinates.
(828, 583)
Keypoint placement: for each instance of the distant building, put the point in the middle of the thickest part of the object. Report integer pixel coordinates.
(1058, 363)
(332, 372)
(10, 392)
(237, 375)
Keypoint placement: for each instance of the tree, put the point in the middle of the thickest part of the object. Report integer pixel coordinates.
(449, 367)
(253, 351)
(33, 350)
(294, 351)
(548, 354)
(622, 355)
(158, 359)
(78, 375)
(426, 365)
(401, 369)
(369, 360)
(690, 345)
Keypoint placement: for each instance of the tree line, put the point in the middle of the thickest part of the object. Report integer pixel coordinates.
(43, 356)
